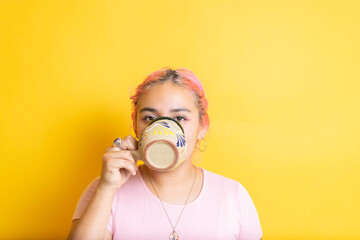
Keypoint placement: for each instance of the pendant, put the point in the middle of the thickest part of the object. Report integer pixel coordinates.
(174, 236)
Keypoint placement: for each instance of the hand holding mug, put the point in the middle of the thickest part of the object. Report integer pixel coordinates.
(162, 147)
(118, 164)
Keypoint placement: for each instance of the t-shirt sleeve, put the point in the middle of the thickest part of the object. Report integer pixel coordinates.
(250, 227)
(84, 200)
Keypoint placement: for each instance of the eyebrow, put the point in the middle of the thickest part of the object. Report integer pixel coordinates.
(172, 110)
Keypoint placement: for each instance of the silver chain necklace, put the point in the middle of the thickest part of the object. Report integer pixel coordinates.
(173, 235)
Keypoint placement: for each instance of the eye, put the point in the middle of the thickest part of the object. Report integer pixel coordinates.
(149, 118)
(180, 118)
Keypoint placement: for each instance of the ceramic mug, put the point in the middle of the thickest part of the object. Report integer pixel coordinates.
(162, 145)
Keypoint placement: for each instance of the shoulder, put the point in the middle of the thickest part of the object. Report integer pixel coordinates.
(91, 187)
(234, 196)
(220, 181)
(215, 176)
(86, 197)
(95, 182)
(225, 186)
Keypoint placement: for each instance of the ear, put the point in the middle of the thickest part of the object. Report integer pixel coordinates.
(202, 132)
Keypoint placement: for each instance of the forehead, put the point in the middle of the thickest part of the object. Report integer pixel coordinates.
(168, 95)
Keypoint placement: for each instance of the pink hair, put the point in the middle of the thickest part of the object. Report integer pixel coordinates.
(182, 77)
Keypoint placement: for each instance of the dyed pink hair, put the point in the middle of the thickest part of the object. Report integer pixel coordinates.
(182, 77)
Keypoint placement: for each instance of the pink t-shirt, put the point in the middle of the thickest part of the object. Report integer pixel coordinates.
(223, 210)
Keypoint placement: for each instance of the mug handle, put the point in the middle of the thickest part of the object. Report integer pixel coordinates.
(136, 155)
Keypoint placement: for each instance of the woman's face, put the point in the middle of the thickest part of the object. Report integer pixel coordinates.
(172, 100)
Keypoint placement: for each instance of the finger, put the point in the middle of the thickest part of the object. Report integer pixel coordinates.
(123, 154)
(112, 149)
(124, 164)
(129, 143)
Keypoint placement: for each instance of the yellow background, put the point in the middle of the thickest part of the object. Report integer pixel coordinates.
(281, 77)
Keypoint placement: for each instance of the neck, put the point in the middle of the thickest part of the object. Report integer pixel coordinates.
(174, 186)
(177, 178)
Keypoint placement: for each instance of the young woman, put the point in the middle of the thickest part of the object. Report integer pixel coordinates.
(135, 202)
